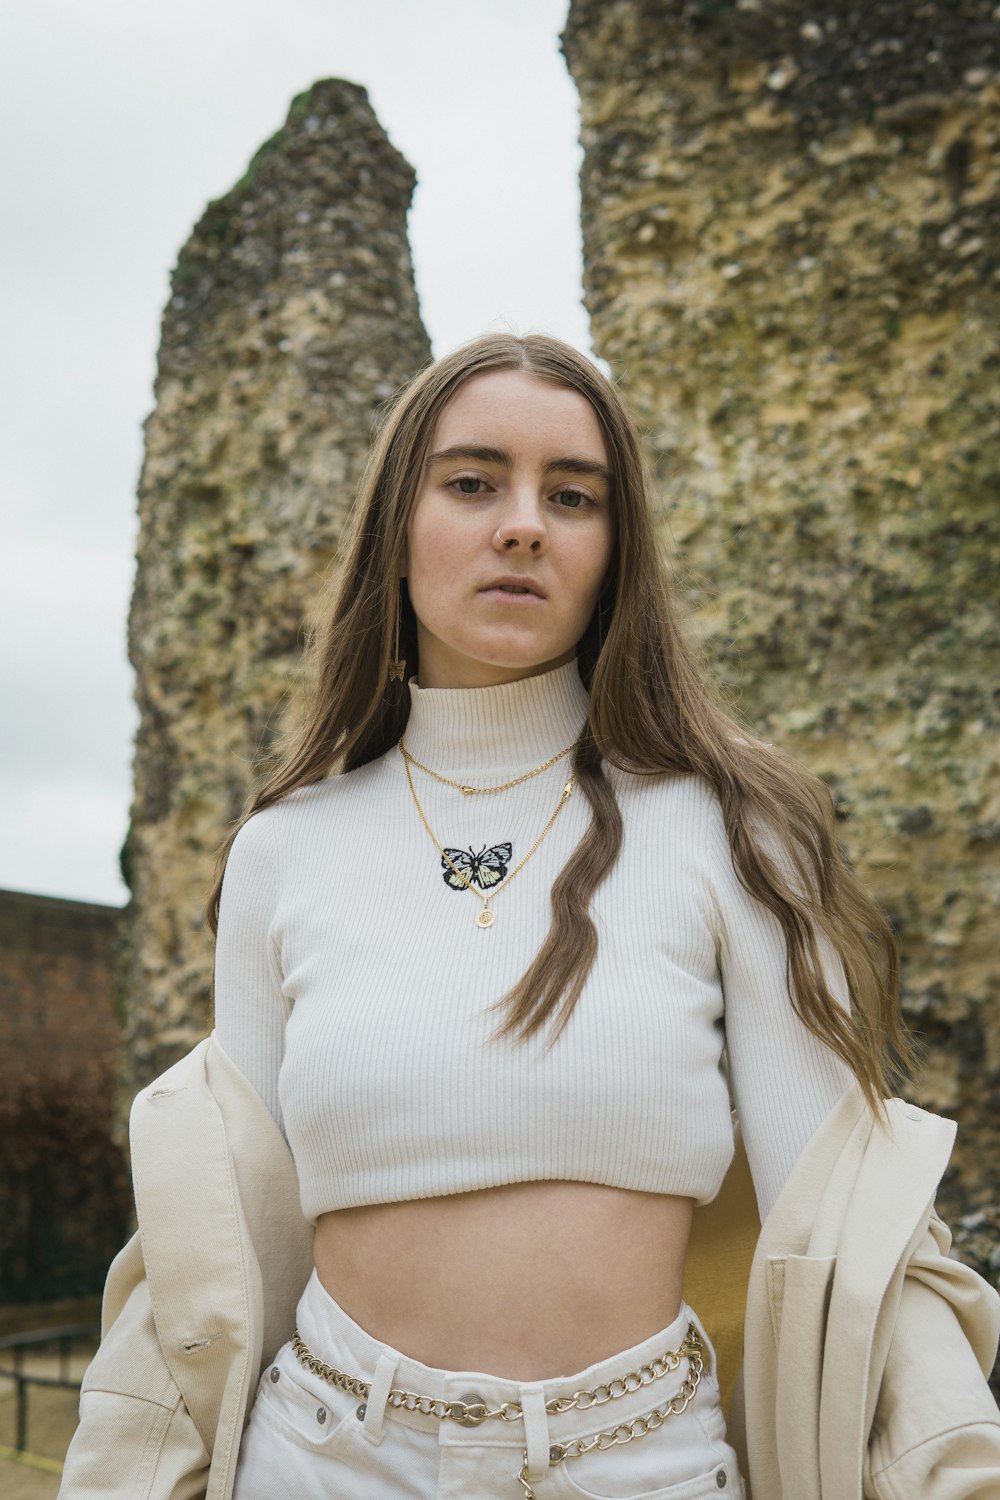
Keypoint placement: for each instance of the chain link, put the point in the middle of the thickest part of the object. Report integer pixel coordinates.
(635, 1427)
(470, 1414)
(339, 1378)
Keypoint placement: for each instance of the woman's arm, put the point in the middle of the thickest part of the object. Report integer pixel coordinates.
(250, 1007)
(784, 1079)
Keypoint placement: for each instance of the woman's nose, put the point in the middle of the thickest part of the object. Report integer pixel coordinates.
(522, 530)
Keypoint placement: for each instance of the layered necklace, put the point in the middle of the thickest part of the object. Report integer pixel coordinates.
(480, 791)
(489, 867)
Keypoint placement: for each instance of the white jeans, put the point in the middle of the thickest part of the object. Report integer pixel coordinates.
(310, 1440)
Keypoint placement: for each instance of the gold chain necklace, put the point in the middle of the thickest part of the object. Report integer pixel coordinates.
(480, 791)
(486, 918)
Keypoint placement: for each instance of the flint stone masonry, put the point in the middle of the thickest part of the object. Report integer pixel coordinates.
(791, 218)
(292, 318)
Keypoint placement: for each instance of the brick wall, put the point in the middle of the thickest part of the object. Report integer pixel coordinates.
(64, 1195)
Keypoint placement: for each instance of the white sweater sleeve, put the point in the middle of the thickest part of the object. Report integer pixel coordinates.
(784, 1079)
(250, 1007)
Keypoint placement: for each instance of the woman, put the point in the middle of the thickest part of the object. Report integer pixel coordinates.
(498, 980)
(472, 1193)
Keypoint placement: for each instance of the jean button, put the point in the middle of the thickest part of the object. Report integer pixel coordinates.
(475, 1409)
(720, 1479)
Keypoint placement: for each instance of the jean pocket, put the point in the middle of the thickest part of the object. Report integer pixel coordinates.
(719, 1483)
(676, 1461)
(304, 1408)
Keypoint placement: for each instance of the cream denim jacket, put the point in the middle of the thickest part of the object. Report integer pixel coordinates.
(865, 1345)
(856, 1323)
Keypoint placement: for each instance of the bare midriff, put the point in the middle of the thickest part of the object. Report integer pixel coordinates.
(527, 1281)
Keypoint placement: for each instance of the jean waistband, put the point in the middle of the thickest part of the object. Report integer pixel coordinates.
(333, 1335)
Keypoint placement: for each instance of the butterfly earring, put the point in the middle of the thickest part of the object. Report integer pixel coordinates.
(397, 666)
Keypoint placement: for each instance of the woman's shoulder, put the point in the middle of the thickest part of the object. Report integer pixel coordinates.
(677, 806)
(648, 793)
(273, 839)
(332, 796)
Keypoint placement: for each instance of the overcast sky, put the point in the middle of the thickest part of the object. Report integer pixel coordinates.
(120, 120)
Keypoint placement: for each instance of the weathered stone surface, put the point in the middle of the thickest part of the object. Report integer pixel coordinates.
(792, 247)
(292, 317)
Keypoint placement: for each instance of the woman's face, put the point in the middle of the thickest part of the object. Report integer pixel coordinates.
(511, 532)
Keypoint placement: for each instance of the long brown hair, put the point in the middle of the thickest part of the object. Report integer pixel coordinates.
(652, 710)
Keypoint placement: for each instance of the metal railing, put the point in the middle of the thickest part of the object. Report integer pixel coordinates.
(17, 1344)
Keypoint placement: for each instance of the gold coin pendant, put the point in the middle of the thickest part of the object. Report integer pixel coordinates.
(485, 918)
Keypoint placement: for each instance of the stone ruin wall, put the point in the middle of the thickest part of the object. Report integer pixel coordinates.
(792, 243)
(791, 234)
(292, 317)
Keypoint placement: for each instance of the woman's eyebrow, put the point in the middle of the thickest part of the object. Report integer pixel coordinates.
(578, 466)
(504, 459)
(470, 450)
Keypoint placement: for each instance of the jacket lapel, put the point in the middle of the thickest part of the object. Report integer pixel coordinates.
(201, 1263)
(282, 1239)
(777, 1366)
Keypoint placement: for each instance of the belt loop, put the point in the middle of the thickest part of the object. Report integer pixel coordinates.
(378, 1395)
(536, 1432)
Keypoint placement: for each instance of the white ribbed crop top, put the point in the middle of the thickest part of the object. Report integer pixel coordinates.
(353, 987)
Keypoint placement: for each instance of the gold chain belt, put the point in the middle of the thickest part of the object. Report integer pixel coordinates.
(470, 1414)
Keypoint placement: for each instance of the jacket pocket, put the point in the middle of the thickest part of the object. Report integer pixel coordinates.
(136, 1439)
(129, 1448)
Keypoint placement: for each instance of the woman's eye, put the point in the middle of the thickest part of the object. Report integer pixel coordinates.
(468, 484)
(572, 499)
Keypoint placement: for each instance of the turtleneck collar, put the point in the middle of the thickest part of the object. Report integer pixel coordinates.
(503, 729)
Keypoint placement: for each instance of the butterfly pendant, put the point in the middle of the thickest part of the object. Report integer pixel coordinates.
(485, 869)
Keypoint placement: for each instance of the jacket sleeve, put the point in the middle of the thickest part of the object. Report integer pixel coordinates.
(936, 1433)
(136, 1439)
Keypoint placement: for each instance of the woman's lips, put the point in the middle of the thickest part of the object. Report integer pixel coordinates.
(502, 594)
(513, 590)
